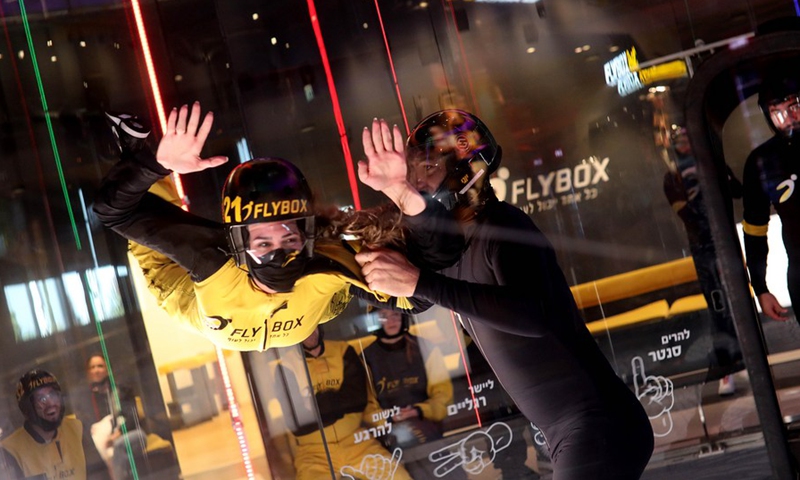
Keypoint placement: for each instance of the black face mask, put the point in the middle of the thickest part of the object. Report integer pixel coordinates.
(281, 272)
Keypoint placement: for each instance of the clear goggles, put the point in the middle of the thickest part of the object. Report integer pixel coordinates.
(282, 239)
(786, 111)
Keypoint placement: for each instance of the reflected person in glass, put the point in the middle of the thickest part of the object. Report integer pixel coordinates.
(339, 388)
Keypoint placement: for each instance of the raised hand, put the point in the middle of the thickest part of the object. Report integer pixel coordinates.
(386, 161)
(179, 149)
(385, 169)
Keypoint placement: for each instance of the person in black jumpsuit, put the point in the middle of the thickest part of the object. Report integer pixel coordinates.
(510, 295)
(770, 177)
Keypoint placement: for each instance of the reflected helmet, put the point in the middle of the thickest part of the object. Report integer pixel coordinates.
(29, 383)
(461, 143)
(779, 99)
(265, 190)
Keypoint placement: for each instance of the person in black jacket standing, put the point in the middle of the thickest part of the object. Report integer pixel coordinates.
(510, 295)
(770, 177)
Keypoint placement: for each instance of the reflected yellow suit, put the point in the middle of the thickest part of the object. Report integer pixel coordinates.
(349, 444)
(61, 458)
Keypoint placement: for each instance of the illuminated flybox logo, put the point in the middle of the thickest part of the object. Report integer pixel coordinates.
(624, 73)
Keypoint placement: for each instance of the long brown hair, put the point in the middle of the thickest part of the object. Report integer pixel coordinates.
(375, 227)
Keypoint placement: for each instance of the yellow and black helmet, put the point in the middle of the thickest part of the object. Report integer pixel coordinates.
(265, 190)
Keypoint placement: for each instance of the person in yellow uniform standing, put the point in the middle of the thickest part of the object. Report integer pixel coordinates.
(48, 446)
(339, 384)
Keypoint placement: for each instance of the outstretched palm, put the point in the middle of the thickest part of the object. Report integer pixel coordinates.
(179, 149)
(386, 161)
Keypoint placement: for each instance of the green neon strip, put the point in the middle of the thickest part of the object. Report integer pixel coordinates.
(48, 122)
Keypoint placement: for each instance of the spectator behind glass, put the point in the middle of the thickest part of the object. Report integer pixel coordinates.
(48, 445)
(339, 386)
(412, 389)
(112, 426)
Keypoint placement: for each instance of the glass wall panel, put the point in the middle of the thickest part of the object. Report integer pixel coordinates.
(586, 98)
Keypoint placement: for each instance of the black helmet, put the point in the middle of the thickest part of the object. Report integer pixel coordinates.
(266, 190)
(779, 98)
(466, 148)
(404, 324)
(29, 383)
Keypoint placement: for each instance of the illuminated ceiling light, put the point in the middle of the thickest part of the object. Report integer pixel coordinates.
(586, 48)
(578, 49)
(21, 54)
(53, 59)
(531, 49)
(116, 45)
(49, 43)
(85, 85)
(227, 65)
(613, 48)
(658, 89)
(83, 43)
(365, 25)
(178, 77)
(1, 56)
(286, 45)
(423, 4)
(255, 16)
(273, 41)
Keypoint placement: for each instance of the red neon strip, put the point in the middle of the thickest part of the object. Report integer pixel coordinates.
(337, 111)
(236, 417)
(148, 60)
(391, 65)
(475, 105)
(466, 368)
(151, 72)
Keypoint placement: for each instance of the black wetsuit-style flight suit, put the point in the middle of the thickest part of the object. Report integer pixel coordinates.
(515, 302)
(770, 177)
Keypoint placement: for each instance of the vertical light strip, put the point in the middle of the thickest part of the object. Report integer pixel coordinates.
(236, 417)
(34, 148)
(48, 122)
(148, 61)
(337, 111)
(475, 106)
(233, 407)
(151, 73)
(464, 362)
(391, 65)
